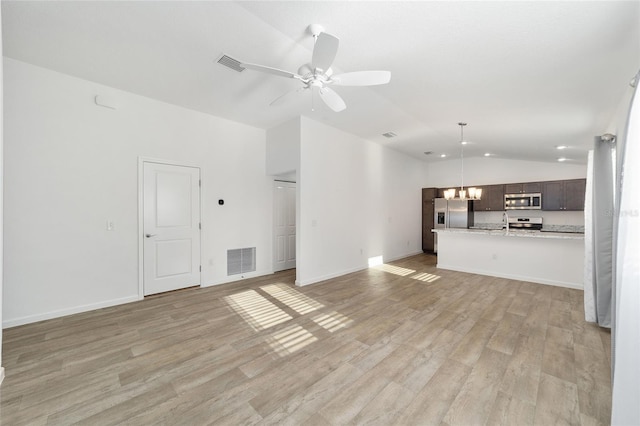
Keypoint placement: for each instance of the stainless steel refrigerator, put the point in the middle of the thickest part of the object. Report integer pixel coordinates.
(451, 214)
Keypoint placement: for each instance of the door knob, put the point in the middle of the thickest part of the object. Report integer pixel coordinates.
(150, 235)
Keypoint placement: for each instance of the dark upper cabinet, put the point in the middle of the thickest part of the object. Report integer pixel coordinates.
(553, 195)
(492, 198)
(523, 188)
(428, 238)
(574, 192)
(563, 194)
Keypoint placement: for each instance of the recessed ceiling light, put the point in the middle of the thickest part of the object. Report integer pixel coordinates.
(561, 159)
(389, 135)
(464, 143)
(562, 147)
(486, 154)
(443, 155)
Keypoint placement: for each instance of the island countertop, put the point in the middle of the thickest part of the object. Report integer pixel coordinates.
(515, 233)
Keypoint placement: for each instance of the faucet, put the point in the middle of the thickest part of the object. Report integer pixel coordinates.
(505, 219)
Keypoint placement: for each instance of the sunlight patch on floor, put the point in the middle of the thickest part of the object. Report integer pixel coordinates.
(257, 311)
(377, 262)
(397, 270)
(297, 301)
(423, 276)
(332, 321)
(290, 340)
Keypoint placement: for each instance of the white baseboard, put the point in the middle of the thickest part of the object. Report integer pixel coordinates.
(537, 280)
(13, 322)
(302, 283)
(1, 375)
(402, 256)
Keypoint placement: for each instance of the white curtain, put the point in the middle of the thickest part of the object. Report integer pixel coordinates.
(599, 231)
(626, 331)
(589, 303)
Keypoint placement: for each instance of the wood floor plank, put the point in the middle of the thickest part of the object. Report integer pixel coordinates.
(594, 383)
(432, 403)
(521, 304)
(559, 359)
(386, 406)
(508, 410)
(348, 403)
(506, 336)
(557, 402)
(478, 393)
(302, 406)
(473, 343)
(496, 310)
(523, 373)
(405, 344)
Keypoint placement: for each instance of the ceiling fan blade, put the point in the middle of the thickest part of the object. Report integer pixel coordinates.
(283, 98)
(270, 70)
(362, 78)
(332, 99)
(324, 52)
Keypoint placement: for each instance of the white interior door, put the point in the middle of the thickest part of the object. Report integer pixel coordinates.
(284, 250)
(171, 215)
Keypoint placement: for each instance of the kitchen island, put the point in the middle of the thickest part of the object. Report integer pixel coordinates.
(541, 257)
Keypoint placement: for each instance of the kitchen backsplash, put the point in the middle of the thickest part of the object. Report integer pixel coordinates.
(551, 220)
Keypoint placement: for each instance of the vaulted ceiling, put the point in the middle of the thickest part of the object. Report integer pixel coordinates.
(525, 76)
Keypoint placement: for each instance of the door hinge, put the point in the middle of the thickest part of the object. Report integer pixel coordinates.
(200, 225)
(200, 268)
(199, 182)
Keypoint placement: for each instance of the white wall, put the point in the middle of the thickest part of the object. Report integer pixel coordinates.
(1, 195)
(357, 200)
(283, 148)
(71, 166)
(487, 171)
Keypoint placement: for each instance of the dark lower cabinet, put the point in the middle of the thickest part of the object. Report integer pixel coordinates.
(564, 194)
(428, 238)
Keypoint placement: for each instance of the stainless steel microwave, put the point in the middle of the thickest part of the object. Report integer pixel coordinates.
(523, 201)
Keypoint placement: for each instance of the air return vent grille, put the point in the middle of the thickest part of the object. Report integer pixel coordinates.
(229, 62)
(241, 260)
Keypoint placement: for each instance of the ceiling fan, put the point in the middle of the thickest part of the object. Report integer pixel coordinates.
(317, 75)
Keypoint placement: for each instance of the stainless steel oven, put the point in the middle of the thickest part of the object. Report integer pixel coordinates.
(523, 201)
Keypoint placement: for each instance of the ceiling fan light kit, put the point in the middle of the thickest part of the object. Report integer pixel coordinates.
(318, 75)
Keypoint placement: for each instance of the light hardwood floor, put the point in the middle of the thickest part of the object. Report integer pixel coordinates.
(404, 343)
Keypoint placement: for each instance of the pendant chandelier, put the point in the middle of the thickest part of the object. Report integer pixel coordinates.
(474, 193)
